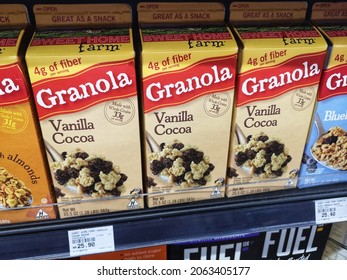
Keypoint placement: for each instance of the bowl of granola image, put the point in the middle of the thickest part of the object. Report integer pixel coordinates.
(330, 149)
(88, 174)
(13, 192)
(180, 164)
(261, 155)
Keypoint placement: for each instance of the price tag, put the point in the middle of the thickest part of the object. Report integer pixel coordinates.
(331, 210)
(91, 240)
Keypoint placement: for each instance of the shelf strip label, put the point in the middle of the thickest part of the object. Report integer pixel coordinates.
(91, 240)
(331, 210)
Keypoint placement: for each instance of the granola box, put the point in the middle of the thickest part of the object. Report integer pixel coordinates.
(188, 62)
(325, 156)
(25, 185)
(279, 71)
(81, 66)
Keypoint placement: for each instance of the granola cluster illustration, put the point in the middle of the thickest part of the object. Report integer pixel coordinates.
(89, 174)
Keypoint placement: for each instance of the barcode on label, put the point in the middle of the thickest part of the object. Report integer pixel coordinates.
(324, 210)
(91, 240)
(331, 210)
(82, 240)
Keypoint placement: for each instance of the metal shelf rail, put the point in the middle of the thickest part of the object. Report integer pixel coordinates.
(173, 223)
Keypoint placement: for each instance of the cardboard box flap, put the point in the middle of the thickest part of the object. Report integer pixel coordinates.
(265, 12)
(323, 11)
(182, 13)
(13, 15)
(82, 15)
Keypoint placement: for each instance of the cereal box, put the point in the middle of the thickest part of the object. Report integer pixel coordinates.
(81, 65)
(188, 64)
(232, 247)
(280, 66)
(25, 185)
(325, 157)
(144, 253)
(294, 243)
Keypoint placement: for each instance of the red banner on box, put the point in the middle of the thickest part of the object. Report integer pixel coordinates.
(177, 87)
(268, 82)
(96, 84)
(13, 88)
(333, 82)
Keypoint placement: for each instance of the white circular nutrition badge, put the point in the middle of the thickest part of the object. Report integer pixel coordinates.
(302, 98)
(119, 112)
(217, 104)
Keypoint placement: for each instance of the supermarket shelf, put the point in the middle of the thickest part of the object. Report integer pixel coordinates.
(170, 224)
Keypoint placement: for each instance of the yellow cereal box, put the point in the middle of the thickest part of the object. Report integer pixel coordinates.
(82, 70)
(188, 63)
(25, 185)
(280, 65)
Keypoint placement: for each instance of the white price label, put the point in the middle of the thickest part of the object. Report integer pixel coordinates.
(91, 240)
(331, 210)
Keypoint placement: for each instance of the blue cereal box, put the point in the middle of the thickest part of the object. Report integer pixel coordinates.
(325, 157)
